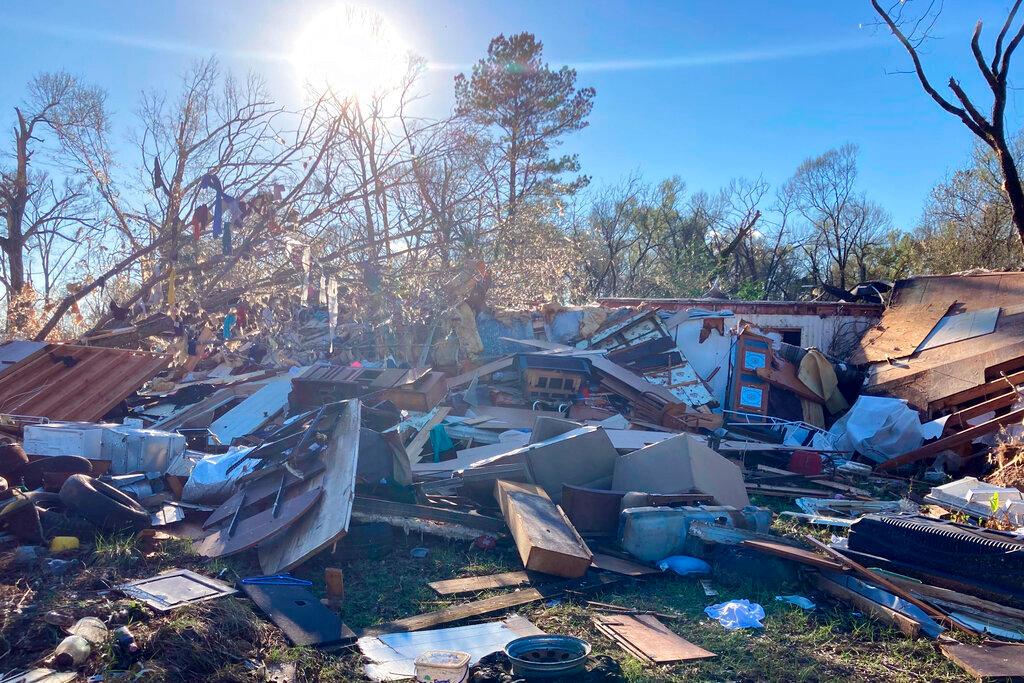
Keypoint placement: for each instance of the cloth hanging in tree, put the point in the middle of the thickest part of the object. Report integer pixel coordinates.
(170, 287)
(200, 217)
(229, 323)
(225, 239)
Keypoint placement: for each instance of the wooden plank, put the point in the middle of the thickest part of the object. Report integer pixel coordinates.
(644, 633)
(1003, 662)
(874, 577)
(881, 613)
(954, 440)
(328, 521)
(257, 492)
(415, 446)
(546, 539)
(795, 554)
(389, 508)
(475, 584)
(900, 331)
(996, 386)
(498, 603)
(783, 491)
(618, 565)
(259, 528)
(486, 369)
(959, 419)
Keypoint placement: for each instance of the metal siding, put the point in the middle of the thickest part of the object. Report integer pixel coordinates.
(42, 385)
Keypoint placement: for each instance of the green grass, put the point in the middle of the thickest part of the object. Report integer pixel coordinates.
(222, 639)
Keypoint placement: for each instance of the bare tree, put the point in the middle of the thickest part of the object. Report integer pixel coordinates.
(40, 212)
(841, 223)
(990, 130)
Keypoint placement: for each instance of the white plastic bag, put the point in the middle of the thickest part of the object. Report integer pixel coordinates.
(210, 482)
(737, 614)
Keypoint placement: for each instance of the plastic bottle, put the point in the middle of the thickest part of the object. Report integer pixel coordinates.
(126, 641)
(72, 652)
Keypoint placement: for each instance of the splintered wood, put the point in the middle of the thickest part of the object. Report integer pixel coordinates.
(647, 639)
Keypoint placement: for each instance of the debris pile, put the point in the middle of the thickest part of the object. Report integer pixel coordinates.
(608, 445)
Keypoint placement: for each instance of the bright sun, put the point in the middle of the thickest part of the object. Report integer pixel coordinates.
(353, 50)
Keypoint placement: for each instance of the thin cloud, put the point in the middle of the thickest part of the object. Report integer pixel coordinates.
(148, 44)
(749, 56)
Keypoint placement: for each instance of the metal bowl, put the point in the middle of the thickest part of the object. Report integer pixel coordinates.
(547, 656)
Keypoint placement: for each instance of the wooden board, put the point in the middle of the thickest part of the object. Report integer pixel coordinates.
(467, 377)
(545, 537)
(800, 555)
(643, 633)
(881, 613)
(953, 440)
(259, 528)
(256, 493)
(415, 446)
(988, 663)
(474, 584)
(328, 522)
(618, 565)
(498, 603)
(900, 331)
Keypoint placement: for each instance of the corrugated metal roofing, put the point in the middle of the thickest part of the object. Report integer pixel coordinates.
(77, 383)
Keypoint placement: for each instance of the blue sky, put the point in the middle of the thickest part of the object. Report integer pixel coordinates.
(706, 90)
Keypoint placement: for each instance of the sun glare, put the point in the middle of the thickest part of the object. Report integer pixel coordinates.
(353, 50)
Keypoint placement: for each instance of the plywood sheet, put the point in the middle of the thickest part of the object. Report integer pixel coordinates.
(644, 635)
(991, 662)
(328, 522)
(900, 331)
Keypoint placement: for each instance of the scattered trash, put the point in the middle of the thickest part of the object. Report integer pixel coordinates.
(737, 614)
(684, 565)
(798, 600)
(418, 553)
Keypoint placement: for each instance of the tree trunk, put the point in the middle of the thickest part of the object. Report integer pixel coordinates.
(1011, 186)
(16, 314)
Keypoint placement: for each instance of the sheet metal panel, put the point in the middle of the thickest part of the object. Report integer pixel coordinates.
(75, 383)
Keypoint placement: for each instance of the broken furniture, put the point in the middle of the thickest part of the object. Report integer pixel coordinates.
(681, 464)
(553, 379)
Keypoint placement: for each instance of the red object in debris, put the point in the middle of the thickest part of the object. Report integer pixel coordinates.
(485, 542)
(805, 462)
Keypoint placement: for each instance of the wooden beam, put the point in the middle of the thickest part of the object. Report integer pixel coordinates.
(800, 555)
(546, 539)
(486, 369)
(880, 580)
(954, 440)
